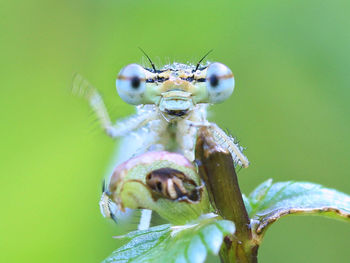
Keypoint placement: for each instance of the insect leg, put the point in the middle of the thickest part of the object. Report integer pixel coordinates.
(83, 88)
(124, 127)
(108, 207)
(225, 141)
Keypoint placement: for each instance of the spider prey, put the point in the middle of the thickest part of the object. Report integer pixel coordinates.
(171, 106)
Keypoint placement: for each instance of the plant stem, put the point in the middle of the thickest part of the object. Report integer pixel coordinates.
(216, 168)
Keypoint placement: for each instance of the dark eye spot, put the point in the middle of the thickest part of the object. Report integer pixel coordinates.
(214, 81)
(135, 82)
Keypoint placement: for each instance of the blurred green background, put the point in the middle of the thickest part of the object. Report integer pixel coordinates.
(291, 60)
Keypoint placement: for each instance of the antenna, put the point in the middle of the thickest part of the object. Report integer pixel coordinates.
(199, 62)
(150, 61)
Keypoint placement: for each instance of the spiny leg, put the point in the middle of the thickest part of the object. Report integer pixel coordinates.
(109, 209)
(84, 89)
(226, 141)
(134, 122)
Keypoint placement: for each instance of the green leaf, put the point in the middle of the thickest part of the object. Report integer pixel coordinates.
(166, 243)
(268, 202)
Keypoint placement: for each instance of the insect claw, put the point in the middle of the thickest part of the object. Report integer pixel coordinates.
(114, 218)
(103, 185)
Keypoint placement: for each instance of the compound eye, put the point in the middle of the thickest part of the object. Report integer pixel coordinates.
(131, 84)
(220, 82)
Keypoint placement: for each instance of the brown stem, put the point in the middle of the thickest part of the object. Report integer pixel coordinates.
(216, 168)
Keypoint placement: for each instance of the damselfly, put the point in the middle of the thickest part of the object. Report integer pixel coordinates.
(171, 104)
